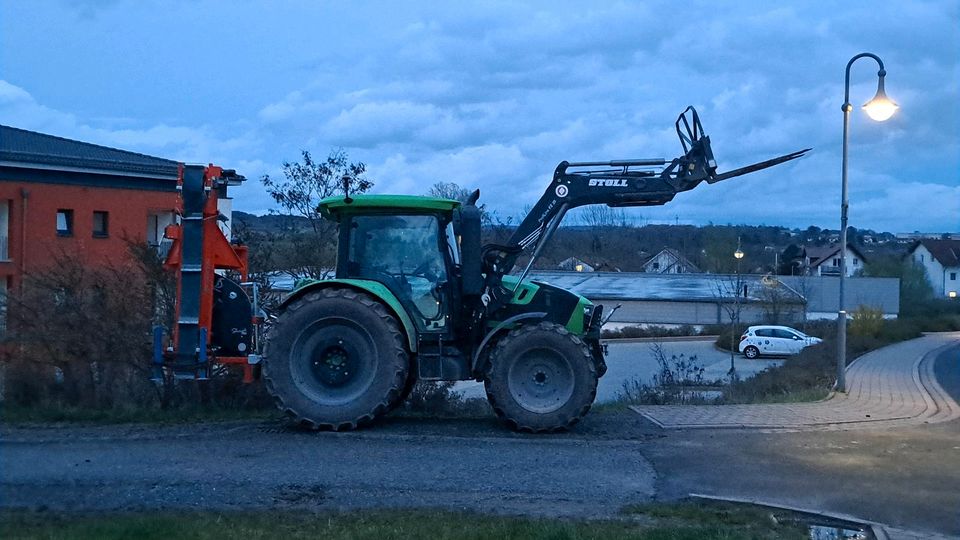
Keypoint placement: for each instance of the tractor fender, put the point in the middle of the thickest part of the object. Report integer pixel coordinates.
(373, 288)
(478, 369)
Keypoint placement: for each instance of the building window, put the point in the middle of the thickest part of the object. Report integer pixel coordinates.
(64, 222)
(101, 223)
(836, 262)
(656, 265)
(856, 261)
(953, 276)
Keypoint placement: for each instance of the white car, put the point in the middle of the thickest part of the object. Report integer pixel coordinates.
(774, 341)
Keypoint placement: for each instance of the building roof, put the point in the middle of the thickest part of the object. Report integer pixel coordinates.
(30, 148)
(665, 287)
(678, 259)
(946, 252)
(818, 255)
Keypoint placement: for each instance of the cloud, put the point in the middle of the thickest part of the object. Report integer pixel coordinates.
(495, 94)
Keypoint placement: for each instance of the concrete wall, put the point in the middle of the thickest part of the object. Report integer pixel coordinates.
(694, 313)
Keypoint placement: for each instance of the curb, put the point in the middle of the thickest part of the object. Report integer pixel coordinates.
(878, 529)
(656, 339)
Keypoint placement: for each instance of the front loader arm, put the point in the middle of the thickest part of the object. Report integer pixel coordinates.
(623, 183)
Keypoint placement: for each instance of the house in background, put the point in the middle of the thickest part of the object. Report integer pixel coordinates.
(825, 261)
(65, 198)
(669, 261)
(940, 260)
(574, 264)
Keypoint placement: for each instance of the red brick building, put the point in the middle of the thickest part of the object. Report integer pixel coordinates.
(60, 197)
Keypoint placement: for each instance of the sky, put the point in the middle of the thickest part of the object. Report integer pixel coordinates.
(492, 95)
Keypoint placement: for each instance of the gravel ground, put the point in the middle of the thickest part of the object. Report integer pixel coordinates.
(906, 476)
(468, 464)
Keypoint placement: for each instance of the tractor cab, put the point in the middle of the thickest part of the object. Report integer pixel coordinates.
(410, 245)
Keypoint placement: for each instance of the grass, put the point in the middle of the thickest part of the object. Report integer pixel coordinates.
(45, 414)
(686, 520)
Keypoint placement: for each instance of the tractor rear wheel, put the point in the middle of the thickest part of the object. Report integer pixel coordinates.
(542, 378)
(335, 359)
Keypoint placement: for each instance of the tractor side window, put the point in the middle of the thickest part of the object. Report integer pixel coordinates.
(452, 245)
(403, 253)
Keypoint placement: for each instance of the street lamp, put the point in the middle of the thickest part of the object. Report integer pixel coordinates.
(879, 108)
(738, 254)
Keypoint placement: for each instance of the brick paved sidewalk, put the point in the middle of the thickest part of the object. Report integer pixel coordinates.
(891, 386)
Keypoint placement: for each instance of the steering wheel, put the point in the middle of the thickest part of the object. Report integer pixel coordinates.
(423, 270)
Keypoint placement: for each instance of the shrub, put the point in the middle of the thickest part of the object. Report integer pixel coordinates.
(652, 331)
(866, 321)
(726, 333)
(679, 380)
(80, 337)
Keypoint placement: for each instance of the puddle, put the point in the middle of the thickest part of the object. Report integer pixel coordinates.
(819, 527)
(825, 532)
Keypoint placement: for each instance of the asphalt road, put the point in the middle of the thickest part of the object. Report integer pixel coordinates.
(904, 477)
(469, 464)
(907, 477)
(630, 363)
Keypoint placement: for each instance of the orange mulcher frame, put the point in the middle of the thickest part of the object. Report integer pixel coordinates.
(215, 253)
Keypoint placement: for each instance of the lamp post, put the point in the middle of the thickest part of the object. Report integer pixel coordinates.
(735, 320)
(879, 108)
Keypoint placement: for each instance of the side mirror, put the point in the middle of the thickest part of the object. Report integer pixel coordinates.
(470, 263)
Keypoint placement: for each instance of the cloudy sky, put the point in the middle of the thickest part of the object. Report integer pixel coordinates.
(494, 94)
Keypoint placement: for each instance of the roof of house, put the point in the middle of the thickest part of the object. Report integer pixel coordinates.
(946, 252)
(32, 148)
(678, 259)
(818, 255)
(665, 287)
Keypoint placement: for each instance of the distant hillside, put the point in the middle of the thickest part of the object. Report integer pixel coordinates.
(626, 248)
(269, 223)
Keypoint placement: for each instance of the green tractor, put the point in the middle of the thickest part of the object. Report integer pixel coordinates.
(417, 296)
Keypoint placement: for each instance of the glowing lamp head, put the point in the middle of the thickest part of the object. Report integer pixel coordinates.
(738, 254)
(881, 107)
(952, 294)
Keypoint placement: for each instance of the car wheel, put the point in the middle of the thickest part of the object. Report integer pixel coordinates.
(751, 352)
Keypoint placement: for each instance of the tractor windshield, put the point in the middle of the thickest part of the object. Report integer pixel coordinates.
(403, 253)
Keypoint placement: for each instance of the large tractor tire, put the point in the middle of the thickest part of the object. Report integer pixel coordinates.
(335, 359)
(541, 379)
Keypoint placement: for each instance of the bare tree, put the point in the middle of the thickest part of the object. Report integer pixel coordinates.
(730, 292)
(600, 222)
(456, 192)
(776, 297)
(309, 251)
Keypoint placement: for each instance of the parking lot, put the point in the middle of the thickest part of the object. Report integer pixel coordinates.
(630, 361)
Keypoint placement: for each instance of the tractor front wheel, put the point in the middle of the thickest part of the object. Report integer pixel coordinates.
(335, 359)
(542, 378)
